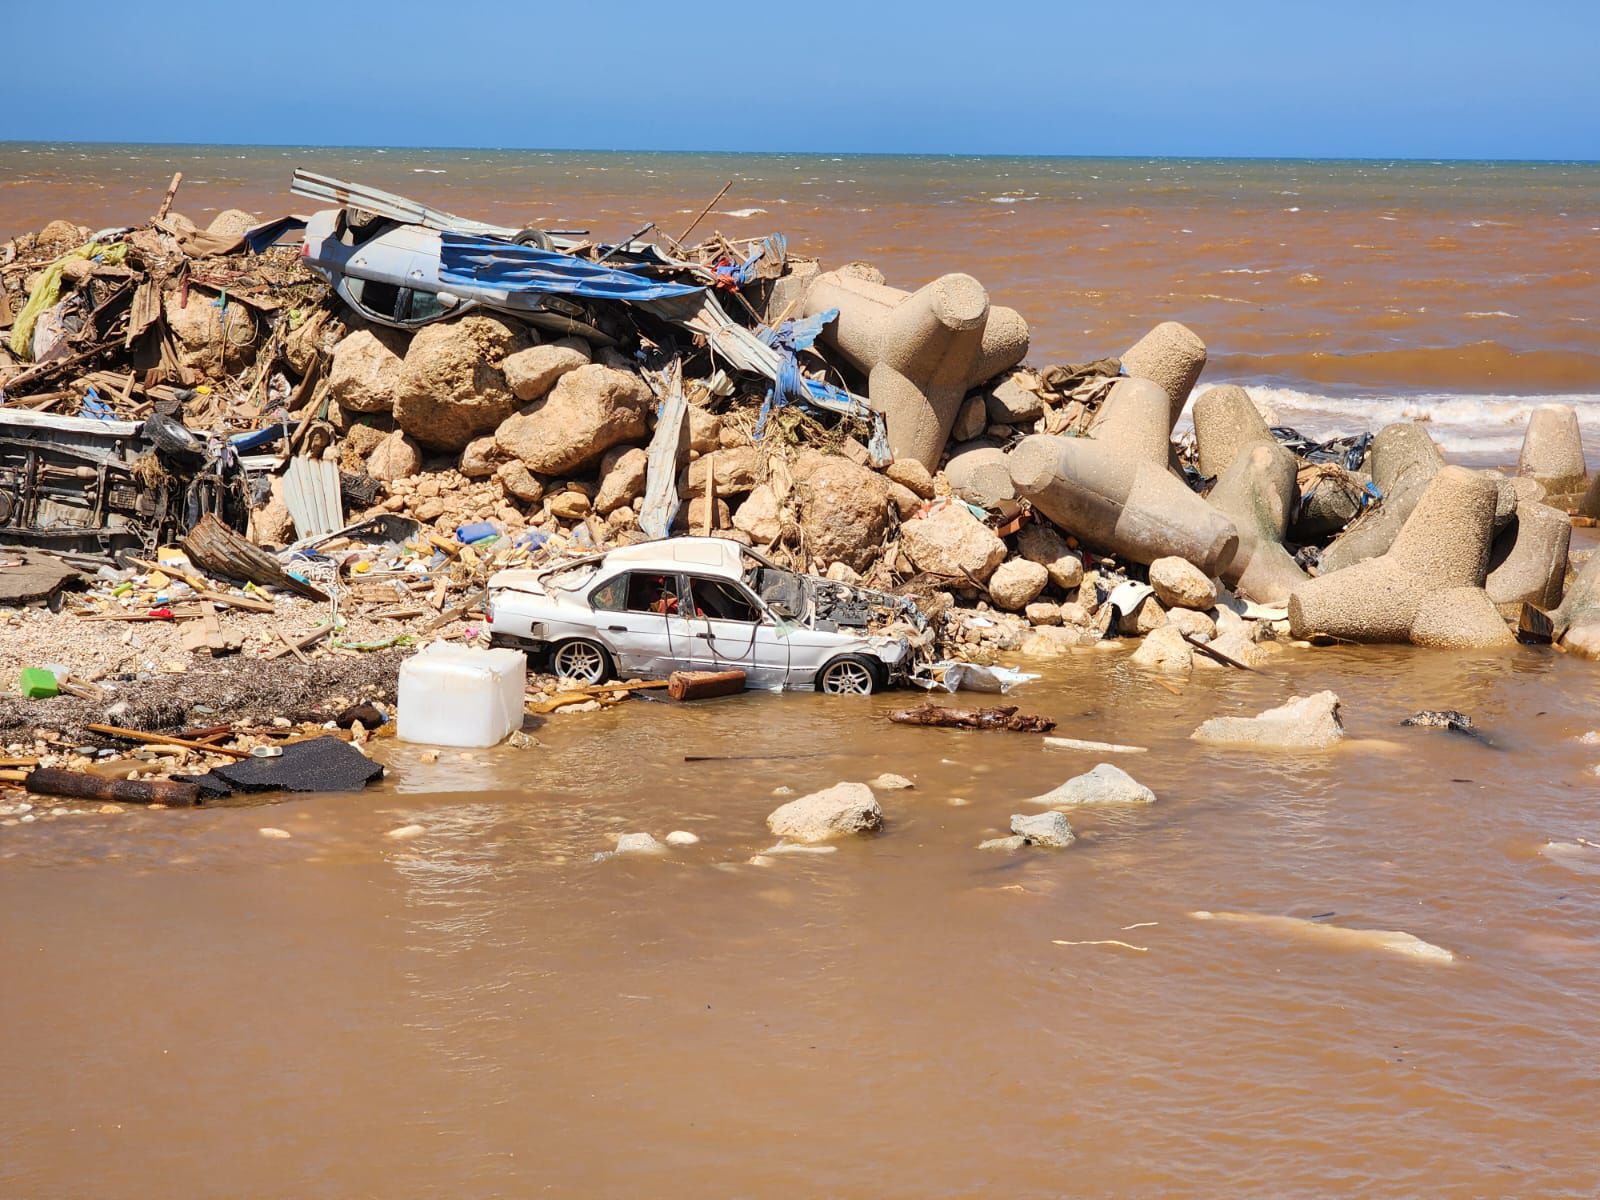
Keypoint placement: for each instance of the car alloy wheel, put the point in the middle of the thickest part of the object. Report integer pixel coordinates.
(581, 662)
(847, 677)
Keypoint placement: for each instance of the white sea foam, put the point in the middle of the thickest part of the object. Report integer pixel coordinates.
(1478, 430)
(743, 212)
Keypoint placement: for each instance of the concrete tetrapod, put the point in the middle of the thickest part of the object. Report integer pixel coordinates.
(1528, 561)
(1257, 493)
(922, 351)
(1171, 355)
(1114, 489)
(1404, 460)
(1428, 588)
(1225, 422)
(1577, 621)
(1552, 450)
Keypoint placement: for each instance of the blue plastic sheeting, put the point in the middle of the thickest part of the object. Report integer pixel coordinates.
(776, 247)
(489, 262)
(790, 386)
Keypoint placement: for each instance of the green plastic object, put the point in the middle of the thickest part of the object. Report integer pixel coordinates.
(38, 684)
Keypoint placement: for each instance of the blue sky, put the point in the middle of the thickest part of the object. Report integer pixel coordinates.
(1424, 79)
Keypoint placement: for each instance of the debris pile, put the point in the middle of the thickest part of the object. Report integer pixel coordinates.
(286, 452)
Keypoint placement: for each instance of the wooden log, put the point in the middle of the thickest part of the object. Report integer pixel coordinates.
(298, 644)
(166, 200)
(703, 685)
(162, 739)
(1002, 717)
(78, 785)
(219, 550)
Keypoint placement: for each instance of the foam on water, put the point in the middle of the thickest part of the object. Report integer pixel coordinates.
(1476, 429)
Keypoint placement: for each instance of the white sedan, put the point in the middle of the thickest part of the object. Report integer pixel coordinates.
(705, 604)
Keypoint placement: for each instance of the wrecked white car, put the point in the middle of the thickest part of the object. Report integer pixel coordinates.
(705, 604)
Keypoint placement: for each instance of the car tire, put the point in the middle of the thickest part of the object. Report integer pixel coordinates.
(850, 675)
(537, 238)
(174, 440)
(579, 660)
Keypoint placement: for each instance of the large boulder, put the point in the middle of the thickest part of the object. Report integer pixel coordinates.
(588, 411)
(736, 470)
(761, 515)
(950, 542)
(1181, 584)
(451, 387)
(839, 811)
(358, 446)
(481, 457)
(1104, 784)
(213, 338)
(1304, 723)
(622, 479)
(396, 457)
(842, 509)
(1015, 584)
(531, 373)
(1045, 545)
(366, 370)
(1164, 649)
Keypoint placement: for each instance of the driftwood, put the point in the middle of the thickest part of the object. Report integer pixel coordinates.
(161, 739)
(79, 785)
(1004, 717)
(703, 685)
(221, 551)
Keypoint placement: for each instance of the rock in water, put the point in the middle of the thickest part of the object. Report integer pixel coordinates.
(1043, 829)
(1395, 941)
(1105, 784)
(1441, 718)
(1304, 723)
(638, 843)
(839, 811)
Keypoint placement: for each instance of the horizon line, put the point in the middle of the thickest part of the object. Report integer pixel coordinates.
(1131, 156)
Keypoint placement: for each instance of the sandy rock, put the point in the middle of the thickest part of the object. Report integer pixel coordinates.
(210, 339)
(842, 573)
(1304, 723)
(366, 370)
(839, 811)
(588, 411)
(692, 516)
(531, 373)
(1146, 617)
(951, 542)
(909, 473)
(1042, 613)
(842, 508)
(705, 430)
(1181, 584)
(971, 420)
(889, 782)
(682, 837)
(980, 475)
(481, 458)
(1044, 544)
(906, 502)
(1015, 842)
(622, 477)
(396, 457)
(451, 388)
(271, 524)
(760, 515)
(232, 222)
(736, 471)
(1104, 784)
(1017, 583)
(1196, 624)
(519, 482)
(1050, 641)
(1050, 829)
(1073, 613)
(570, 506)
(1237, 644)
(638, 843)
(60, 232)
(1164, 650)
(358, 446)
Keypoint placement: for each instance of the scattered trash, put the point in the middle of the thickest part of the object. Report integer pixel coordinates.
(1063, 743)
(325, 764)
(52, 781)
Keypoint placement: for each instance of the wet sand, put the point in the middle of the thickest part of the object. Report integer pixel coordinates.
(193, 1009)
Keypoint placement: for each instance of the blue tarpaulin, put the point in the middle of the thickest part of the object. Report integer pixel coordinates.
(490, 262)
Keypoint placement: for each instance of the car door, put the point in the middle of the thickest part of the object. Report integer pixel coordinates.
(731, 630)
(636, 615)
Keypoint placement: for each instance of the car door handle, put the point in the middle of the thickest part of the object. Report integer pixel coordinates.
(616, 629)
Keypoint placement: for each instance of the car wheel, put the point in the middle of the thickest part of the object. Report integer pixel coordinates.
(849, 675)
(536, 238)
(174, 440)
(580, 661)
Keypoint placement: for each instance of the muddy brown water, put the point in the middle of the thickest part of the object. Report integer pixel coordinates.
(192, 1009)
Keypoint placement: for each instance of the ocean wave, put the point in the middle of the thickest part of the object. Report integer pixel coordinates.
(742, 212)
(1485, 429)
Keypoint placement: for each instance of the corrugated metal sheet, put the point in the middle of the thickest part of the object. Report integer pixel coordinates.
(341, 194)
(314, 496)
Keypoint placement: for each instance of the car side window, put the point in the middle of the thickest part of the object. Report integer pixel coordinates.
(720, 600)
(610, 596)
(653, 592)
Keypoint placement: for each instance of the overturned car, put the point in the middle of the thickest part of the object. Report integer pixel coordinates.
(710, 604)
